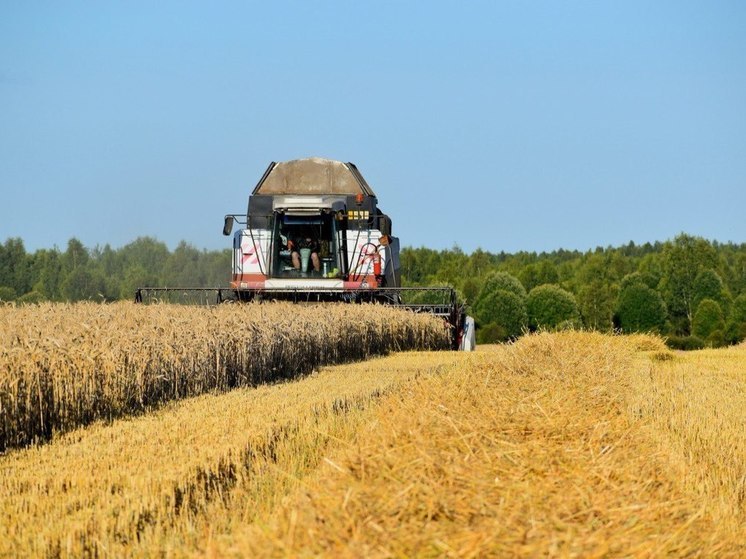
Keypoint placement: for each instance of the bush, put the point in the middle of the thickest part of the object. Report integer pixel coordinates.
(735, 332)
(716, 339)
(549, 306)
(491, 333)
(707, 319)
(7, 293)
(640, 309)
(686, 343)
(504, 310)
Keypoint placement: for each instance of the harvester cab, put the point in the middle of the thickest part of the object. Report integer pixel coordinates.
(312, 226)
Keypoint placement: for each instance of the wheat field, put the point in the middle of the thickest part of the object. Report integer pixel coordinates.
(543, 448)
(66, 365)
(563, 445)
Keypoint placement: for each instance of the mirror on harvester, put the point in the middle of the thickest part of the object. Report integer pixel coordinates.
(228, 227)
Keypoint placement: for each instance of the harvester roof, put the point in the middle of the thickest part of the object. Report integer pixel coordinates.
(314, 176)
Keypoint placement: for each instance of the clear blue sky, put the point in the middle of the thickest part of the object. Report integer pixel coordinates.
(506, 125)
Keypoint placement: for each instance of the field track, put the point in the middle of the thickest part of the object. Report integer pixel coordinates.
(567, 444)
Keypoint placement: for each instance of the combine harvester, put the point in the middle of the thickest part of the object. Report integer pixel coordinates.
(314, 232)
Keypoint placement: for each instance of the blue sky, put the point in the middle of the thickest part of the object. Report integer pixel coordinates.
(502, 125)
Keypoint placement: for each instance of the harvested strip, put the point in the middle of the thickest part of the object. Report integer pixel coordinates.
(143, 483)
(694, 406)
(524, 451)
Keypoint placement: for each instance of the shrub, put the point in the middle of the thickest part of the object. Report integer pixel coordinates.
(640, 309)
(549, 306)
(686, 343)
(504, 310)
(7, 293)
(735, 332)
(716, 339)
(708, 319)
(491, 333)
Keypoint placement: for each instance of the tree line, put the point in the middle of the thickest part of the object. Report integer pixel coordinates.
(689, 289)
(103, 273)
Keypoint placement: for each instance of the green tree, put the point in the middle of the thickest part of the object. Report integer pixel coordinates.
(708, 320)
(82, 284)
(651, 266)
(738, 312)
(79, 281)
(619, 265)
(480, 262)
(147, 253)
(136, 276)
(505, 312)
(709, 285)
(452, 267)
(50, 274)
(108, 264)
(735, 332)
(419, 265)
(538, 274)
(640, 278)
(183, 268)
(502, 281)
(640, 309)
(596, 300)
(76, 256)
(735, 329)
(738, 273)
(549, 306)
(470, 288)
(684, 259)
(15, 266)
